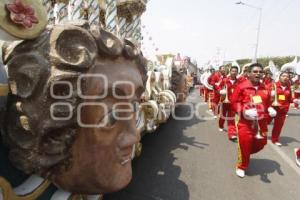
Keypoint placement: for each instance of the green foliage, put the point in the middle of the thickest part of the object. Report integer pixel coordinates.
(279, 61)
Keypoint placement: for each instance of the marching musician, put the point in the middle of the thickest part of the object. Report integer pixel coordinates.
(267, 80)
(251, 100)
(208, 93)
(284, 98)
(215, 80)
(244, 74)
(228, 84)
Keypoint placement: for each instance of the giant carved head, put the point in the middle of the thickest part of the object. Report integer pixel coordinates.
(71, 115)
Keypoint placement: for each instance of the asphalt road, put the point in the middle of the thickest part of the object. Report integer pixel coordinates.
(192, 160)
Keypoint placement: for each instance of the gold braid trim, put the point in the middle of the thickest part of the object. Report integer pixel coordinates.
(8, 193)
(240, 157)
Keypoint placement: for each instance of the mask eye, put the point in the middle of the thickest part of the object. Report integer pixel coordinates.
(136, 106)
(109, 120)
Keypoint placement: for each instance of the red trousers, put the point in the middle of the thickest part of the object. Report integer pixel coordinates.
(278, 124)
(226, 113)
(297, 95)
(206, 94)
(215, 102)
(247, 144)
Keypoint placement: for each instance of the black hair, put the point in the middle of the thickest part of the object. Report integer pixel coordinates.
(255, 65)
(284, 72)
(234, 67)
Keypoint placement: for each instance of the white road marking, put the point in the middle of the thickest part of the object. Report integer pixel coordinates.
(286, 158)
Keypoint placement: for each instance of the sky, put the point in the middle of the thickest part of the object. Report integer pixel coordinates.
(206, 29)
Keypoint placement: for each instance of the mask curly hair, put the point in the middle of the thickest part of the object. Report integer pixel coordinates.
(37, 142)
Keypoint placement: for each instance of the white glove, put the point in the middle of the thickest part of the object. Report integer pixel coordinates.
(272, 112)
(251, 113)
(296, 101)
(294, 79)
(273, 93)
(223, 92)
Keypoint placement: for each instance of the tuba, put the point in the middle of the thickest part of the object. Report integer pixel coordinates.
(204, 80)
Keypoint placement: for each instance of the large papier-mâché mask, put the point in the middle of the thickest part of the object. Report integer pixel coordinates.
(71, 114)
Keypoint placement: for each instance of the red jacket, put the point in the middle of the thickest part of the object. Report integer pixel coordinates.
(230, 87)
(242, 78)
(267, 81)
(284, 97)
(297, 83)
(215, 80)
(261, 100)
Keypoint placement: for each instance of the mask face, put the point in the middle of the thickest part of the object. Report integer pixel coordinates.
(101, 156)
(72, 117)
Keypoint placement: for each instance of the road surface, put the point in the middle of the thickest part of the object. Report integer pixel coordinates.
(192, 160)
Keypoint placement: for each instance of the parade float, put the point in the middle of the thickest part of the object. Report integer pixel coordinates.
(62, 58)
(68, 68)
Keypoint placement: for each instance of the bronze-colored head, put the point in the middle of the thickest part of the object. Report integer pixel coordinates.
(66, 118)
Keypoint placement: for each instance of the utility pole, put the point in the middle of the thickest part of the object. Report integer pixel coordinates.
(254, 60)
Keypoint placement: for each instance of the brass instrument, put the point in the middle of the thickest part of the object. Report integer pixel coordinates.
(255, 123)
(293, 88)
(275, 102)
(226, 97)
(296, 88)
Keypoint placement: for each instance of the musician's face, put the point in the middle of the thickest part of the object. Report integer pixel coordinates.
(284, 78)
(233, 72)
(256, 74)
(268, 75)
(222, 70)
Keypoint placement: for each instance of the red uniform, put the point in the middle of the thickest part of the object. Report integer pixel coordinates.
(226, 112)
(241, 79)
(215, 80)
(297, 95)
(247, 128)
(284, 96)
(267, 81)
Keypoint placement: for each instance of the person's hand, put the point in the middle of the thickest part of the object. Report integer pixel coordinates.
(251, 113)
(296, 101)
(272, 112)
(265, 134)
(273, 93)
(223, 92)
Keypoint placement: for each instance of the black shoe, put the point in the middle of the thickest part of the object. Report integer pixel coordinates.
(233, 138)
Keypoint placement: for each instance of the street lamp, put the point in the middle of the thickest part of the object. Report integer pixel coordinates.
(258, 28)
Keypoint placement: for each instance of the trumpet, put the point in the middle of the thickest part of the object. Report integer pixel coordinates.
(296, 88)
(275, 102)
(293, 88)
(226, 100)
(255, 123)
